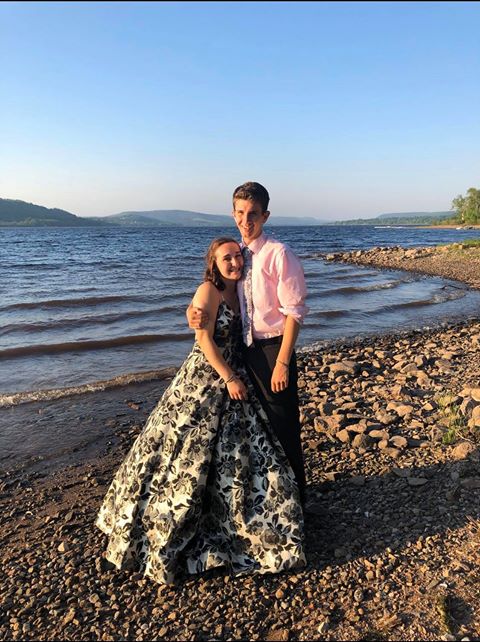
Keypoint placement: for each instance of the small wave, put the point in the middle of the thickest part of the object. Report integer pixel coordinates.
(185, 257)
(314, 325)
(378, 286)
(17, 398)
(311, 255)
(80, 263)
(352, 275)
(94, 300)
(31, 266)
(69, 324)
(76, 346)
(434, 300)
(59, 303)
(175, 278)
(438, 298)
(352, 289)
(329, 314)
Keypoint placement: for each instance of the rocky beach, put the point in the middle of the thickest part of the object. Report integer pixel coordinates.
(391, 434)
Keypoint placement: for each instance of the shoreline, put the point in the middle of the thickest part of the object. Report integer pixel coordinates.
(448, 227)
(455, 261)
(391, 443)
(91, 421)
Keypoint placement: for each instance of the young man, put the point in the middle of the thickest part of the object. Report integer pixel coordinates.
(272, 295)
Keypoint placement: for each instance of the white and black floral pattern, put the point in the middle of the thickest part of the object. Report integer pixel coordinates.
(206, 483)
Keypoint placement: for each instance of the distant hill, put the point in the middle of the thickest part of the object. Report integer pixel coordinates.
(186, 218)
(181, 218)
(396, 215)
(295, 220)
(401, 218)
(15, 213)
(21, 214)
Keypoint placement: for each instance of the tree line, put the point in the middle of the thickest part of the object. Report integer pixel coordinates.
(467, 207)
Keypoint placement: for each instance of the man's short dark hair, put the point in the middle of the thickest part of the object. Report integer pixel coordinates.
(252, 191)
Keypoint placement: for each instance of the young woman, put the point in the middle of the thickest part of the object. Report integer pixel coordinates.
(206, 483)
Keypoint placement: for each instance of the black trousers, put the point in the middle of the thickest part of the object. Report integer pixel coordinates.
(282, 408)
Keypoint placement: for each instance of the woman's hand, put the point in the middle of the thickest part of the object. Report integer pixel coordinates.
(279, 379)
(237, 390)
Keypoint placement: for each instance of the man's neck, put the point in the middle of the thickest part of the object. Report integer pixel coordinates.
(250, 241)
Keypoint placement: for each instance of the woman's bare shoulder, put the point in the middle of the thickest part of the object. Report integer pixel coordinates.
(206, 295)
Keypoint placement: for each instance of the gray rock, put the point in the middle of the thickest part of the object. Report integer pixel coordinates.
(443, 365)
(417, 481)
(475, 394)
(344, 436)
(320, 425)
(462, 450)
(401, 472)
(334, 423)
(402, 410)
(362, 441)
(399, 442)
(357, 428)
(344, 367)
(379, 434)
(385, 417)
(410, 368)
(470, 483)
(394, 453)
(476, 412)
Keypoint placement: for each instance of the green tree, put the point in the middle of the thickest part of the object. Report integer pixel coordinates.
(468, 207)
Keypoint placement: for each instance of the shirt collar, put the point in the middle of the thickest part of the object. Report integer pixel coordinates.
(256, 245)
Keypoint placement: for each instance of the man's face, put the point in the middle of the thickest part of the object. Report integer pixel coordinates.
(249, 218)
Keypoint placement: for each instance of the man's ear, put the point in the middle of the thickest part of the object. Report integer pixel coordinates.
(266, 214)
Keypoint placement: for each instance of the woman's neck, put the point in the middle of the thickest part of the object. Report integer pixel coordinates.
(230, 286)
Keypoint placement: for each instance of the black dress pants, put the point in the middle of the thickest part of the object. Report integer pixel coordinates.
(282, 408)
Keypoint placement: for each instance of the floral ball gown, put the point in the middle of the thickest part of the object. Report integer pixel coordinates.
(206, 483)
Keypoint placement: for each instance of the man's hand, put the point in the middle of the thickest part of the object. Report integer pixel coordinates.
(237, 390)
(279, 380)
(197, 318)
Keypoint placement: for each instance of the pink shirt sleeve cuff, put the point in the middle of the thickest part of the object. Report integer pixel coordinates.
(298, 312)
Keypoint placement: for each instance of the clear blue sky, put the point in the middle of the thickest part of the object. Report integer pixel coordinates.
(341, 109)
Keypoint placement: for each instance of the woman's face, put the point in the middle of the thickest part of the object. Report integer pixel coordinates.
(229, 260)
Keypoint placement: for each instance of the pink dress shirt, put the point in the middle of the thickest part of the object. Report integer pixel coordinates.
(278, 287)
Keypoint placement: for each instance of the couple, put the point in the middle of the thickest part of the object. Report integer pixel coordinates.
(216, 476)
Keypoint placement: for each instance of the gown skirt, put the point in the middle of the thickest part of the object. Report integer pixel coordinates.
(206, 483)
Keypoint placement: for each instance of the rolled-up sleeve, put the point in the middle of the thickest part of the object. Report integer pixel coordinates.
(292, 289)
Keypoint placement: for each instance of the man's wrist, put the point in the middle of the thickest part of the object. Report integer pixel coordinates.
(283, 363)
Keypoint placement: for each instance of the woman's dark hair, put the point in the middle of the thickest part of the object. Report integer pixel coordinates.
(212, 272)
(252, 191)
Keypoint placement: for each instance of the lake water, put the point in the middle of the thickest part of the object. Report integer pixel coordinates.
(83, 306)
